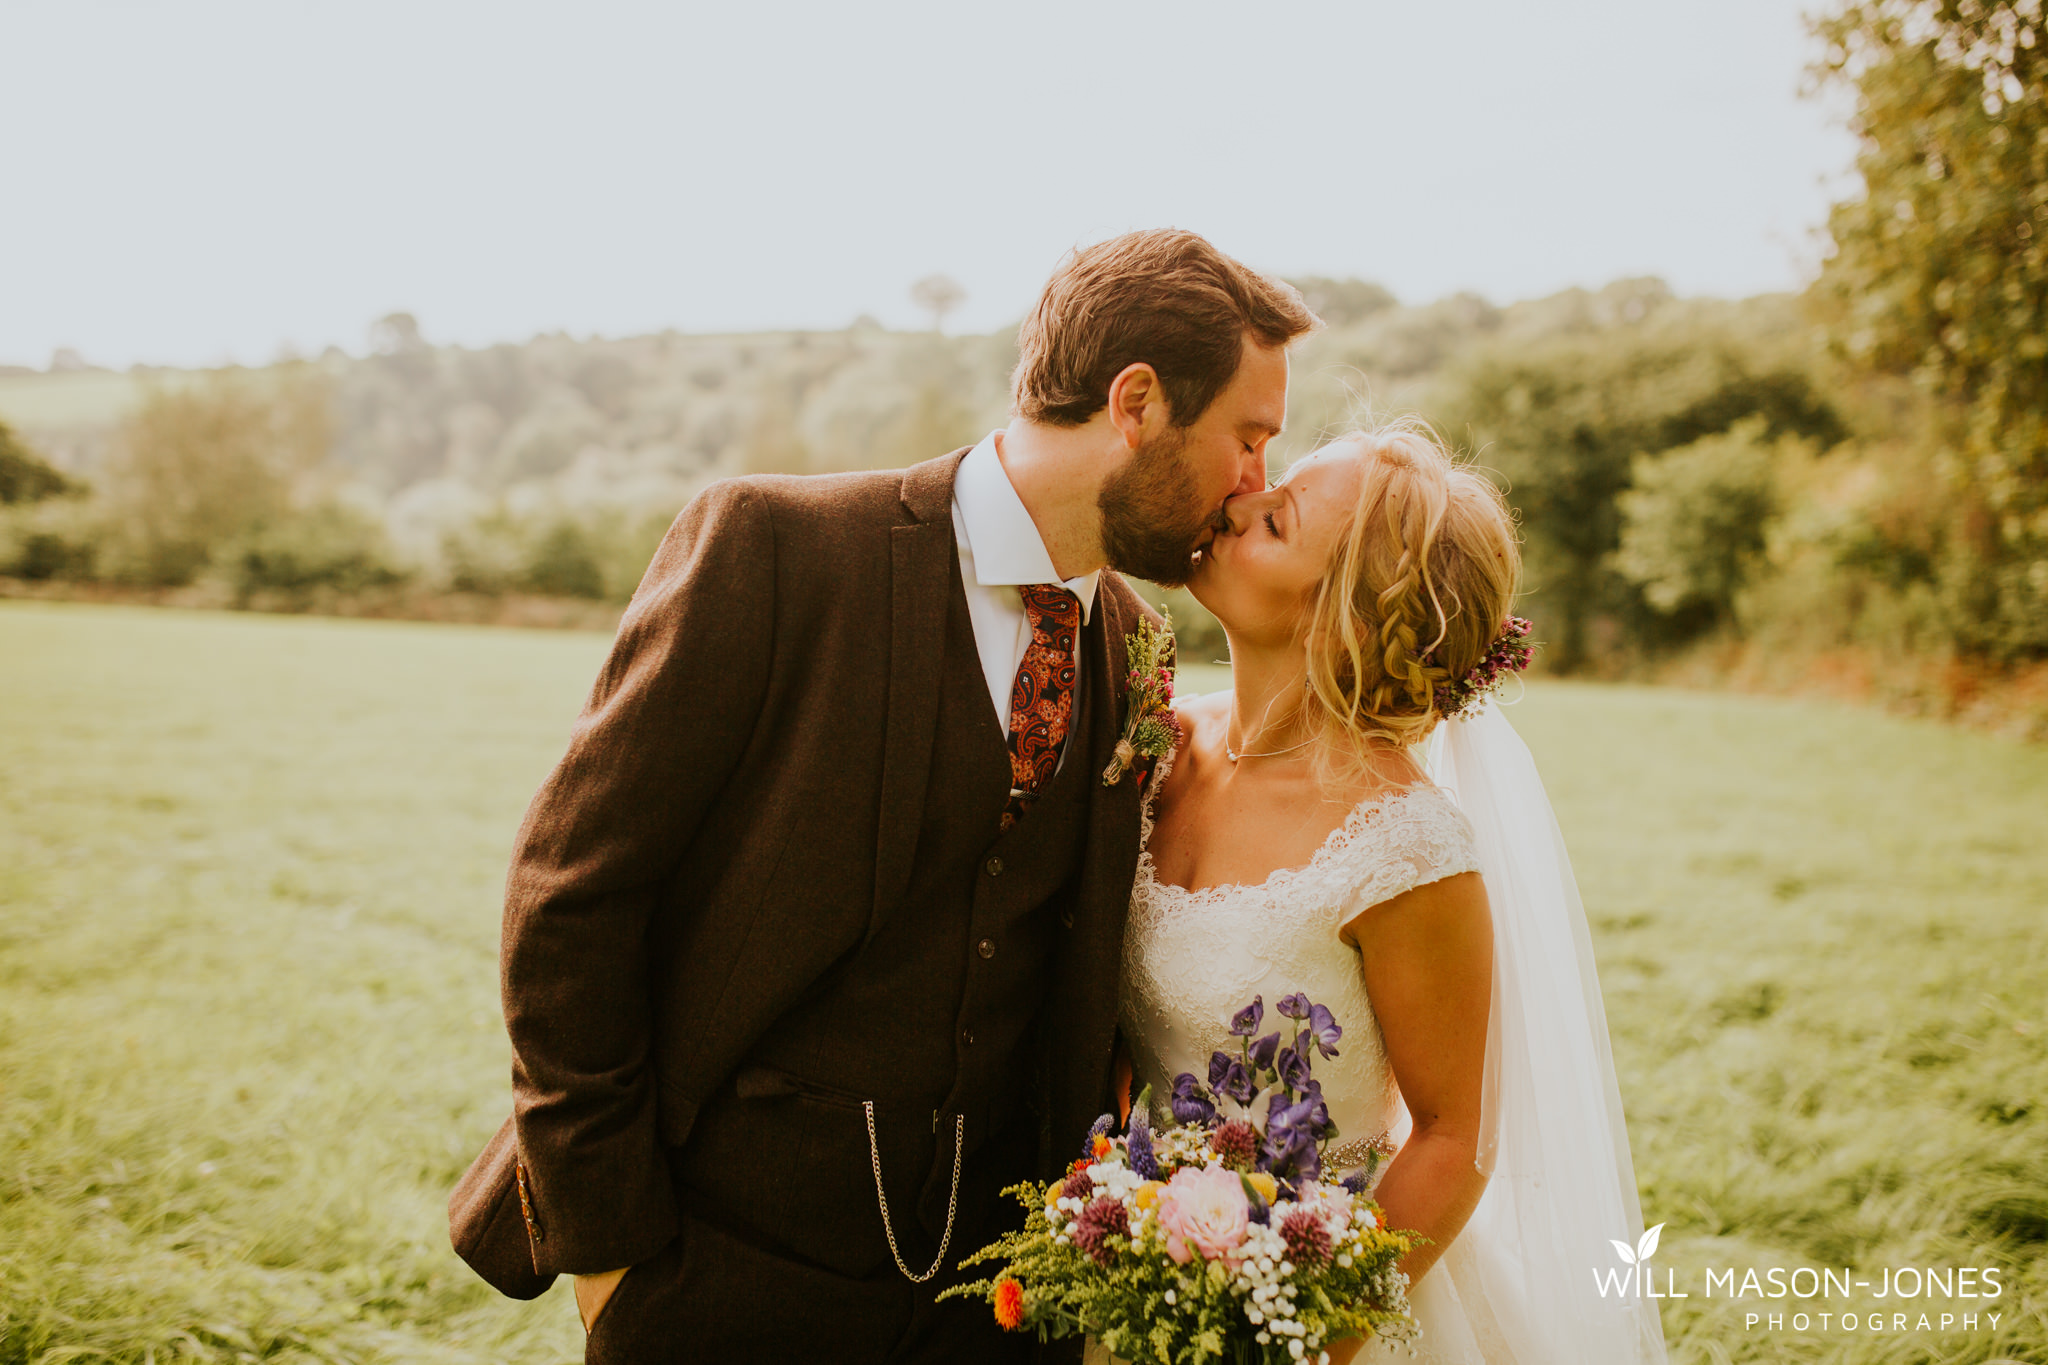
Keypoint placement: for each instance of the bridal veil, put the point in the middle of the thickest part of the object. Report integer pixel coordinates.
(1562, 1189)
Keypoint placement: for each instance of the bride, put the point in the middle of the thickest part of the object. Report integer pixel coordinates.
(1325, 828)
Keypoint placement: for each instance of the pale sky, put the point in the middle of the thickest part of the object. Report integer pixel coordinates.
(195, 182)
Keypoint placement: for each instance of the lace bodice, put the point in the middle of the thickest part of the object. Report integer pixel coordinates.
(1193, 958)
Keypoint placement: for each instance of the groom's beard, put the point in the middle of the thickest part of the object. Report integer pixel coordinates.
(1151, 521)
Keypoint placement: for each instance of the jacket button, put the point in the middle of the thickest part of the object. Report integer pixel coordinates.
(987, 948)
(994, 867)
(967, 1037)
(1067, 918)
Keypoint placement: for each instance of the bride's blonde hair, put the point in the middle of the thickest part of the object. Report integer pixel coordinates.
(1415, 592)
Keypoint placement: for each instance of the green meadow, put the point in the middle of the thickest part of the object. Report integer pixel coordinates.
(249, 870)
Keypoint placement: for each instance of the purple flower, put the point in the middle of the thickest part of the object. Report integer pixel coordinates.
(1356, 1182)
(1293, 1069)
(1263, 1050)
(1227, 1077)
(1245, 1022)
(1294, 1006)
(1319, 1121)
(1190, 1105)
(1324, 1029)
(1138, 1152)
(1290, 1149)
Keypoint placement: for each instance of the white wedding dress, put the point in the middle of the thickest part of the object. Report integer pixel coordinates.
(1516, 1287)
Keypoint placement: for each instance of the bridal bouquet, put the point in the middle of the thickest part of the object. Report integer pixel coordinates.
(1214, 1239)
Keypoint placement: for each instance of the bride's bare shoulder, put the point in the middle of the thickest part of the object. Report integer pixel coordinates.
(1201, 709)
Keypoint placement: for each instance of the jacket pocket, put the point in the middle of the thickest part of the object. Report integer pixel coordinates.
(773, 1083)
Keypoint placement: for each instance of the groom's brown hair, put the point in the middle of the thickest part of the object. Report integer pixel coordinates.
(1164, 298)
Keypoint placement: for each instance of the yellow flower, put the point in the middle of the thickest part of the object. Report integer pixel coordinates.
(1146, 1194)
(1266, 1185)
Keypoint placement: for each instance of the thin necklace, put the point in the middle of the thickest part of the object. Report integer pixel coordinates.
(1234, 755)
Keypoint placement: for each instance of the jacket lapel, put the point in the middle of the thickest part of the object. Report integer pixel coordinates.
(922, 564)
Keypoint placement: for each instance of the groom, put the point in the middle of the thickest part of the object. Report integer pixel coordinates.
(811, 939)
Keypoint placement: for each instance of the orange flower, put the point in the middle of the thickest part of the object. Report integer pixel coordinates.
(1009, 1305)
(1101, 1147)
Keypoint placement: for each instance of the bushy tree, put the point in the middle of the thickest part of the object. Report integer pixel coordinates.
(202, 465)
(26, 476)
(1940, 272)
(1562, 421)
(1696, 518)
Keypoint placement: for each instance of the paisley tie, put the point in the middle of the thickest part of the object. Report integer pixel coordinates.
(1042, 698)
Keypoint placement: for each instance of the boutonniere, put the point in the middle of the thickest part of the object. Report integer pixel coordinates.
(1151, 730)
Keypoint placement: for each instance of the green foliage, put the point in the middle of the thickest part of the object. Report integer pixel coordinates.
(52, 538)
(1564, 419)
(330, 545)
(24, 475)
(596, 552)
(1941, 273)
(205, 464)
(285, 969)
(1695, 520)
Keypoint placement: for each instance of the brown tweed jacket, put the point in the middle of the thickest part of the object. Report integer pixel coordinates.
(738, 807)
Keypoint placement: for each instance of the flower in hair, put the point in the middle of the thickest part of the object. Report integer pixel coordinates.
(1509, 653)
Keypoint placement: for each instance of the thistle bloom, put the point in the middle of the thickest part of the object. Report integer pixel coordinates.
(1100, 1220)
(1308, 1239)
(1237, 1142)
(1203, 1213)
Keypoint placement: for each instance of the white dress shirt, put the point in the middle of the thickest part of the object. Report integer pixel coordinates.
(1000, 551)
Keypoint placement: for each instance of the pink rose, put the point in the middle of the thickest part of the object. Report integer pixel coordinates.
(1205, 1212)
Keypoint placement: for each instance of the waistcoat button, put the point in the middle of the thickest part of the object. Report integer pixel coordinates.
(987, 948)
(994, 867)
(967, 1037)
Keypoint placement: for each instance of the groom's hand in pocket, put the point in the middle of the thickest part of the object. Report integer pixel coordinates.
(593, 1292)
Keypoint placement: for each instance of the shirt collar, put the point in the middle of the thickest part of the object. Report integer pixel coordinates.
(1002, 539)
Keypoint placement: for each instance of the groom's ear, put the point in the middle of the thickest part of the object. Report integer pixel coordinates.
(1137, 404)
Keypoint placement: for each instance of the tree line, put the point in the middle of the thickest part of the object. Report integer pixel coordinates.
(1863, 464)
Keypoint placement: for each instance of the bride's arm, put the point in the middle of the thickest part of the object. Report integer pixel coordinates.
(1428, 963)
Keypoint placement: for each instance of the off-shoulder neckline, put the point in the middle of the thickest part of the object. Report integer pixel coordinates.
(1333, 843)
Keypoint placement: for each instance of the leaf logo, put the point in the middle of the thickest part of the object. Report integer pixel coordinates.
(1641, 1251)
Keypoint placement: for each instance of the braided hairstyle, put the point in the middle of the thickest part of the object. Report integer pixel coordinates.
(1415, 592)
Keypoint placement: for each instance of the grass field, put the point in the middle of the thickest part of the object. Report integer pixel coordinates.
(248, 1020)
